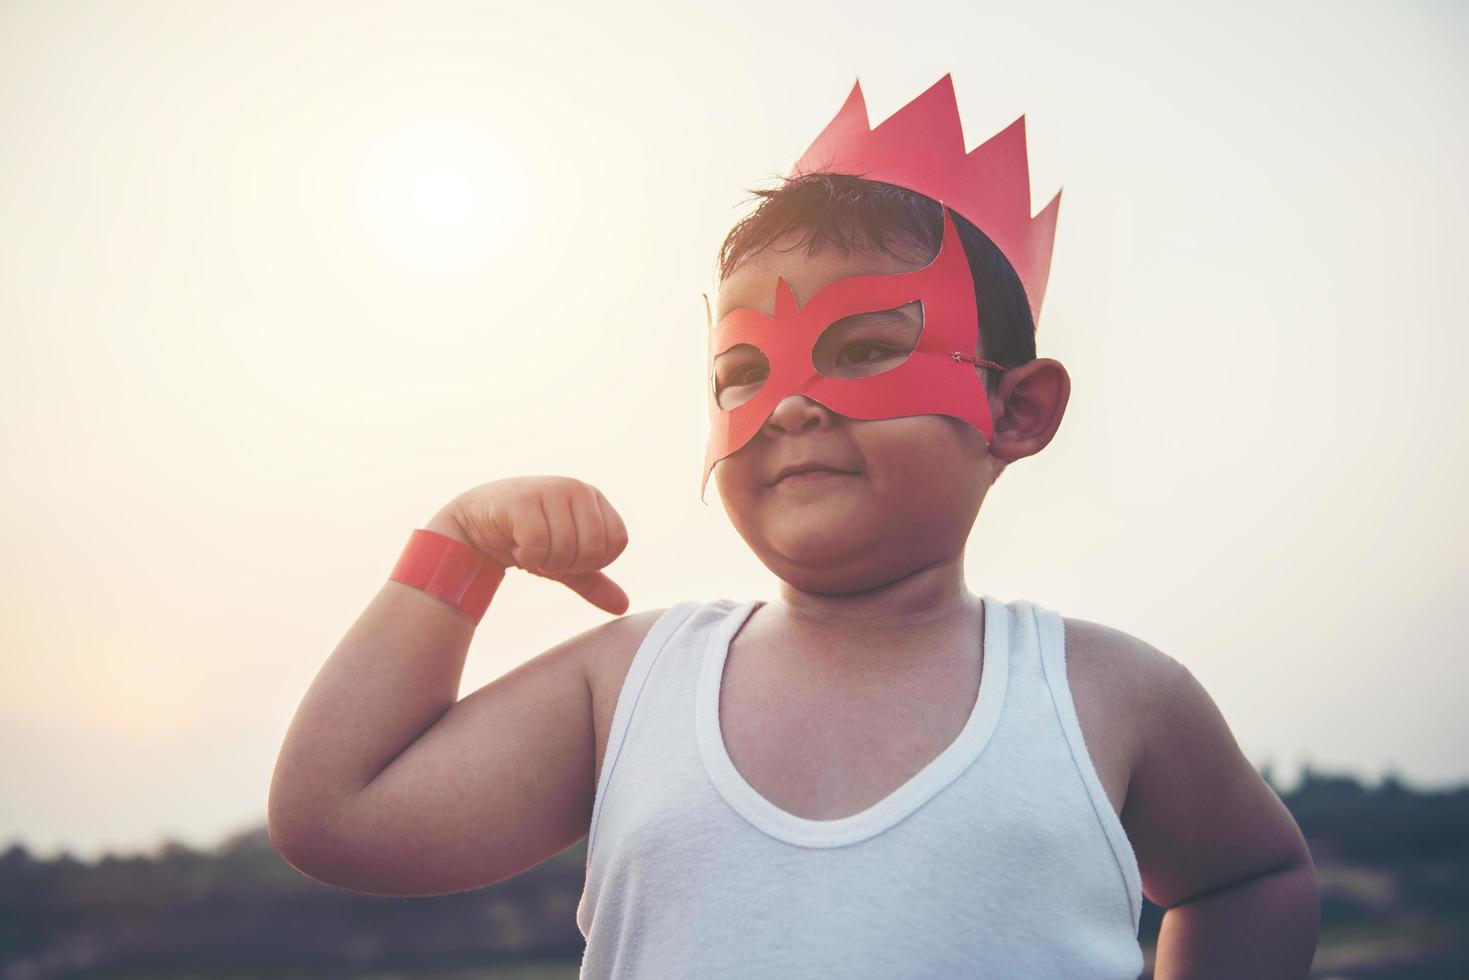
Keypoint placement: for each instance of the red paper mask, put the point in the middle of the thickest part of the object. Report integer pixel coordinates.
(937, 378)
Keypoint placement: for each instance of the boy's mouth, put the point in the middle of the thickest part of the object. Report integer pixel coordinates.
(804, 472)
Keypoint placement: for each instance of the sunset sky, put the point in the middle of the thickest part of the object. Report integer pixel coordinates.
(279, 280)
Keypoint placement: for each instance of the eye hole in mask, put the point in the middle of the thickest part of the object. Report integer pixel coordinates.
(738, 374)
(867, 344)
(859, 346)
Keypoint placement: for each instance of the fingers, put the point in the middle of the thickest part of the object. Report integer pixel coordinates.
(532, 533)
(567, 532)
(561, 555)
(591, 531)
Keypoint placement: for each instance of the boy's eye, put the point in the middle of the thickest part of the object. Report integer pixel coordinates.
(866, 344)
(738, 374)
(866, 353)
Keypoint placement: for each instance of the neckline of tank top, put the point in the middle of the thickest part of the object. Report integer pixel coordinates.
(885, 813)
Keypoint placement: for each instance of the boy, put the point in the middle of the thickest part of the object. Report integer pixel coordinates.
(872, 775)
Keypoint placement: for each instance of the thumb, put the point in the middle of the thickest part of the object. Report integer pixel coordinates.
(599, 590)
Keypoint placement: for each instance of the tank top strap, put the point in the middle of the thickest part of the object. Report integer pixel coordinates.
(1051, 633)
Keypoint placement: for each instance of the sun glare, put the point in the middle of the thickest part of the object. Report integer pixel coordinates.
(430, 192)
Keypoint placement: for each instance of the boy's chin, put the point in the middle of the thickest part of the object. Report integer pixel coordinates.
(824, 562)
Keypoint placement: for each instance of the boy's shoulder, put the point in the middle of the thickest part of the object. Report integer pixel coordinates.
(1114, 674)
(1107, 657)
(612, 646)
(617, 643)
(1115, 678)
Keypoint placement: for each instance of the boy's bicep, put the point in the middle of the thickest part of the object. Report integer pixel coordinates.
(1199, 816)
(502, 781)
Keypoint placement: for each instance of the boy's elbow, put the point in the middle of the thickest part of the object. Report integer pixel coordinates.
(284, 831)
(293, 825)
(307, 846)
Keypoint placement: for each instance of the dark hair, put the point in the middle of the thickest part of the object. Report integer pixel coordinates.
(867, 215)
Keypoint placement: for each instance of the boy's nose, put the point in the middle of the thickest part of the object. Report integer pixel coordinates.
(796, 413)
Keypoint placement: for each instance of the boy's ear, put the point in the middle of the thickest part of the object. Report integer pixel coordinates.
(1028, 407)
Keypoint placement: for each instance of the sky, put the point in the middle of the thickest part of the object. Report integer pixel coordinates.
(279, 280)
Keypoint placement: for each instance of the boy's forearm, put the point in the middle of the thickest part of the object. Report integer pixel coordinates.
(1264, 928)
(394, 673)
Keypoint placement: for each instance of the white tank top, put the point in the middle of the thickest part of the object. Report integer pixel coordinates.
(1000, 858)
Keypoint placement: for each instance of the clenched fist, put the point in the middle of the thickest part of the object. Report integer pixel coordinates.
(552, 526)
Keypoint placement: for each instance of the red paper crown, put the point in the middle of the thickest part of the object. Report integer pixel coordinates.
(921, 147)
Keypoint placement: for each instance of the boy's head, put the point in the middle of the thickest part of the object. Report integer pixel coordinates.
(867, 330)
(911, 485)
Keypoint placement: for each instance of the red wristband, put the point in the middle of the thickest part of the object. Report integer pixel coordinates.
(449, 570)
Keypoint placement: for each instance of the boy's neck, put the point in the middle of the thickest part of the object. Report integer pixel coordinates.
(932, 597)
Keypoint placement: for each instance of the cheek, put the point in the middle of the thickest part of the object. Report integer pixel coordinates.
(737, 478)
(927, 454)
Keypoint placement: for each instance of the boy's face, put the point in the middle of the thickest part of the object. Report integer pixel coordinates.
(910, 487)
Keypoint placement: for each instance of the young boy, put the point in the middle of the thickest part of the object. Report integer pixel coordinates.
(877, 774)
